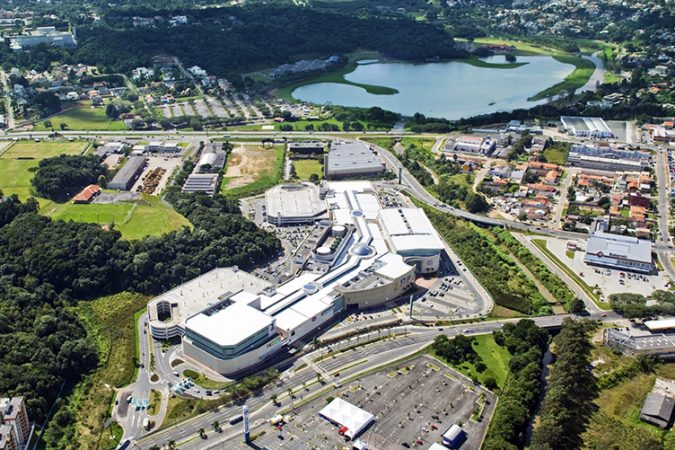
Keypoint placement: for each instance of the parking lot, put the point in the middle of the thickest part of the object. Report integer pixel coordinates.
(413, 405)
(444, 295)
(611, 280)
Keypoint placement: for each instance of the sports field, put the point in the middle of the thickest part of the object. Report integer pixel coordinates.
(42, 150)
(15, 173)
(84, 117)
(134, 219)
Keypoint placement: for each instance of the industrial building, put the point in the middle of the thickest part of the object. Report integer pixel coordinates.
(231, 321)
(656, 344)
(350, 419)
(608, 158)
(43, 35)
(162, 147)
(212, 159)
(109, 148)
(306, 147)
(473, 144)
(619, 252)
(592, 127)
(14, 425)
(347, 159)
(128, 174)
(294, 204)
(201, 182)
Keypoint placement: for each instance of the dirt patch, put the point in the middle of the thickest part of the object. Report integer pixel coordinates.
(246, 164)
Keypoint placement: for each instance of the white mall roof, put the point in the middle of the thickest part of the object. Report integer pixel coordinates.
(394, 268)
(230, 325)
(409, 229)
(294, 200)
(347, 415)
(204, 291)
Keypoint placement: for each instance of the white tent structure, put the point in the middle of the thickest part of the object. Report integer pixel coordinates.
(351, 419)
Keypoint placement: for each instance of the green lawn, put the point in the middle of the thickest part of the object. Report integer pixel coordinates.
(203, 381)
(495, 357)
(83, 117)
(306, 167)
(582, 72)
(135, 220)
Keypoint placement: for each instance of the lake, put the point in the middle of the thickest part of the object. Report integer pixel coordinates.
(451, 89)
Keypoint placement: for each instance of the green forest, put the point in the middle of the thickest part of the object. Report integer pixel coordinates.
(49, 265)
(225, 40)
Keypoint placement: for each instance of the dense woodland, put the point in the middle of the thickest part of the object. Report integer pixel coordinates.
(47, 265)
(520, 396)
(224, 40)
(62, 177)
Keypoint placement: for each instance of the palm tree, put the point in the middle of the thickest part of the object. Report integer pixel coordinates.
(202, 433)
(216, 425)
(275, 399)
(290, 392)
(171, 444)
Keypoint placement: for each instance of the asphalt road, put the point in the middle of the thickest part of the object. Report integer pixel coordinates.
(663, 180)
(346, 365)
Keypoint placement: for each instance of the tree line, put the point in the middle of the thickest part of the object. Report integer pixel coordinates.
(520, 396)
(571, 391)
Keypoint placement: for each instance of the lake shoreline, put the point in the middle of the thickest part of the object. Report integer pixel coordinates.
(451, 89)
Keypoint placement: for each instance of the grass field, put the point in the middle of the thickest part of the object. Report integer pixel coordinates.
(15, 174)
(306, 167)
(616, 423)
(252, 169)
(556, 155)
(495, 357)
(83, 117)
(42, 150)
(135, 220)
(109, 321)
(388, 142)
(582, 72)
